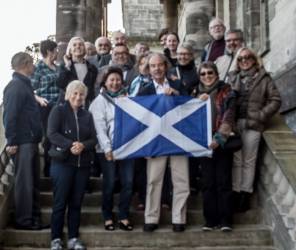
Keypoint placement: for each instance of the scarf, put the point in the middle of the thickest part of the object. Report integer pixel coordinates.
(121, 92)
(212, 92)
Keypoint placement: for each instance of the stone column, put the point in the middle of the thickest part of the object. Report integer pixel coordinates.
(194, 21)
(170, 9)
(79, 18)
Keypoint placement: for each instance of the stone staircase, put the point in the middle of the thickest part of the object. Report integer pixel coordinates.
(249, 232)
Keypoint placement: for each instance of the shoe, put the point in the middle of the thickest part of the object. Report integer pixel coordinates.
(179, 228)
(150, 227)
(109, 227)
(226, 228)
(208, 228)
(75, 244)
(125, 227)
(56, 244)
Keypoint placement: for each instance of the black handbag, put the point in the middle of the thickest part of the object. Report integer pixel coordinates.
(233, 143)
(57, 153)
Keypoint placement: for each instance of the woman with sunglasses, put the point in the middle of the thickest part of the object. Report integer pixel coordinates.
(258, 100)
(216, 171)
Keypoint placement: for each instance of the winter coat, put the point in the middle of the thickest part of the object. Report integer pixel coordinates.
(21, 115)
(65, 127)
(264, 99)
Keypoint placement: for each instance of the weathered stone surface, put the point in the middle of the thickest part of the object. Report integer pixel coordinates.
(140, 16)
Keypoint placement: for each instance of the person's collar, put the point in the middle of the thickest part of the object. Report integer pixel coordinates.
(156, 84)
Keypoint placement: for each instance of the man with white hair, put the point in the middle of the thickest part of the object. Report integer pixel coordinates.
(216, 46)
(103, 56)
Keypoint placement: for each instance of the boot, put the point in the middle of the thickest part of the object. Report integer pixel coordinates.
(244, 204)
(236, 200)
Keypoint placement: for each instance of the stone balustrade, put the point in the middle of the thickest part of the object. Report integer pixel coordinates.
(277, 183)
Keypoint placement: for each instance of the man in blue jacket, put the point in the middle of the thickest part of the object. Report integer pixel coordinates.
(23, 133)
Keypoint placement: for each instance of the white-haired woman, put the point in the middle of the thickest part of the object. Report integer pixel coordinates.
(71, 132)
(258, 100)
(75, 67)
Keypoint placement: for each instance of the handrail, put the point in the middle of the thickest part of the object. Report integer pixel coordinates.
(6, 165)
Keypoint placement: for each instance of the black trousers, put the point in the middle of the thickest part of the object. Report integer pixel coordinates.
(26, 185)
(217, 188)
(44, 111)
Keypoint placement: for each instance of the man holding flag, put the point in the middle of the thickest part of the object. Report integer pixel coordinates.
(158, 66)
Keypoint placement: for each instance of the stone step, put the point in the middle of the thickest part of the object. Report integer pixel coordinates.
(158, 248)
(246, 235)
(93, 216)
(95, 199)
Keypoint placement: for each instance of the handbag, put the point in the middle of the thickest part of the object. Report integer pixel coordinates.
(233, 143)
(57, 153)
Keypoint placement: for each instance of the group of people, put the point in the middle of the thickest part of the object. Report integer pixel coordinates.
(71, 104)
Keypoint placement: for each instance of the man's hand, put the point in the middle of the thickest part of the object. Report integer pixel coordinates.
(109, 156)
(42, 101)
(11, 150)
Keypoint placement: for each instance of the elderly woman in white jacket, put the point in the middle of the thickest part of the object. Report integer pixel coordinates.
(102, 109)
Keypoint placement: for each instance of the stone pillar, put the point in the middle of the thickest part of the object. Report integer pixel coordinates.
(194, 22)
(79, 18)
(170, 9)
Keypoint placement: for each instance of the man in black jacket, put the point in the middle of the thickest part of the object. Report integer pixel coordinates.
(23, 133)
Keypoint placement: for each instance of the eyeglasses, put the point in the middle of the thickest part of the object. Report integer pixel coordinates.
(232, 40)
(216, 26)
(246, 58)
(209, 73)
(184, 54)
(120, 53)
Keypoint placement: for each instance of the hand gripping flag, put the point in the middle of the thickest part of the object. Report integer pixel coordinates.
(158, 125)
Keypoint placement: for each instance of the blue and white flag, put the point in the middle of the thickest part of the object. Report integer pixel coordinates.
(158, 125)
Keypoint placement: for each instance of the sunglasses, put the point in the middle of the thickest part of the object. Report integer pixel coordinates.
(246, 58)
(209, 73)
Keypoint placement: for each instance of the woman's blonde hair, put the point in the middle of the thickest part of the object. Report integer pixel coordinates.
(70, 44)
(258, 60)
(73, 86)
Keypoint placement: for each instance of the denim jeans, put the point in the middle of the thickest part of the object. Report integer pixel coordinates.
(126, 175)
(69, 184)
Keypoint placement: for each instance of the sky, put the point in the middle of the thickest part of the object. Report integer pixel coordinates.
(23, 22)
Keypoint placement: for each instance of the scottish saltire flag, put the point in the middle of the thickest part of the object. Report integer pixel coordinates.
(159, 125)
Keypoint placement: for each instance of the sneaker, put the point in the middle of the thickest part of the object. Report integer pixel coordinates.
(226, 228)
(207, 228)
(75, 244)
(56, 244)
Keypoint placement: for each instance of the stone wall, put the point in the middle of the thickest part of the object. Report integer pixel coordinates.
(142, 19)
(277, 185)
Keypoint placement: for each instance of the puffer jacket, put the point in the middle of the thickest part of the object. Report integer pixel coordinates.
(264, 99)
(66, 127)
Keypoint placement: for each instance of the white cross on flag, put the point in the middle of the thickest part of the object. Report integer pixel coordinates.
(158, 125)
